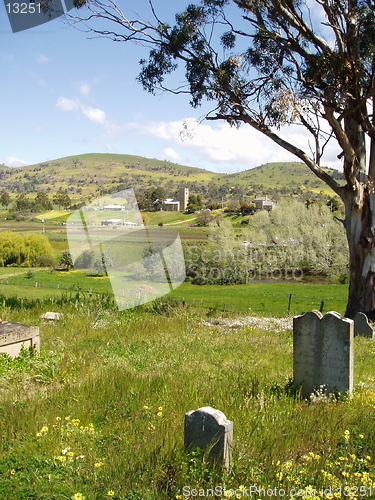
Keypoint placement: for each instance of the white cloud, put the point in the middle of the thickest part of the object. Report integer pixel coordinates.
(65, 104)
(13, 161)
(95, 115)
(172, 155)
(84, 89)
(222, 147)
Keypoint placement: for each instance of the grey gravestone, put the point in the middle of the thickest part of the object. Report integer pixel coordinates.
(209, 430)
(52, 316)
(14, 336)
(362, 328)
(323, 352)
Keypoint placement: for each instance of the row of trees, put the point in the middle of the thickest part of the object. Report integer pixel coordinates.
(291, 240)
(41, 201)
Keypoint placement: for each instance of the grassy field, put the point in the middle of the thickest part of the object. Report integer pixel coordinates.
(99, 412)
(266, 299)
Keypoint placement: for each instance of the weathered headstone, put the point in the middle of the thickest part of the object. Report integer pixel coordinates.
(211, 431)
(52, 316)
(362, 328)
(323, 352)
(14, 336)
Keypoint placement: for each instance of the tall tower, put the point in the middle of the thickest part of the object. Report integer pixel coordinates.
(183, 196)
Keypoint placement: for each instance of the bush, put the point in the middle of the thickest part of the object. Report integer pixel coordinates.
(33, 250)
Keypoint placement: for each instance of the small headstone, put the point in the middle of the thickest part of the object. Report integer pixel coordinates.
(51, 316)
(14, 336)
(323, 352)
(362, 328)
(211, 431)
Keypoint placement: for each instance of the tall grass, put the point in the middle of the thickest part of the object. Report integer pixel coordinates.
(99, 412)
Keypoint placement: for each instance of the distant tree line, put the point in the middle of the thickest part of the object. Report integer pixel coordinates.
(41, 202)
(291, 240)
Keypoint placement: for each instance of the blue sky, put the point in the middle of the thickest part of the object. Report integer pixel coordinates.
(63, 94)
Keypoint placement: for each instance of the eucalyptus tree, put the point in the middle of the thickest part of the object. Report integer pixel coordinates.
(269, 64)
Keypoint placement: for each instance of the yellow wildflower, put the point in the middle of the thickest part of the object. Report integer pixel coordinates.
(145, 407)
(178, 497)
(159, 414)
(98, 464)
(110, 493)
(287, 465)
(39, 434)
(361, 436)
(78, 496)
(12, 472)
(160, 408)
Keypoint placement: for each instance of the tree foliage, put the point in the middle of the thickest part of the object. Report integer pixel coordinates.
(42, 200)
(284, 244)
(26, 251)
(62, 199)
(5, 199)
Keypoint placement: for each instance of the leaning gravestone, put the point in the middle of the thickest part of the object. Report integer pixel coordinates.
(209, 430)
(362, 328)
(14, 336)
(323, 352)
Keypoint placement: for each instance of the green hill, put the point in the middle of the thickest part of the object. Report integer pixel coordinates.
(91, 175)
(287, 176)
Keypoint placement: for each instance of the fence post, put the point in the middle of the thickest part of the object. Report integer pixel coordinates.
(290, 300)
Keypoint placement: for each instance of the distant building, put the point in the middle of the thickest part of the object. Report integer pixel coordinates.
(114, 207)
(171, 205)
(177, 204)
(264, 203)
(183, 196)
(117, 222)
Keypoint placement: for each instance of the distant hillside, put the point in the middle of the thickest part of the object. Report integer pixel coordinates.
(91, 175)
(287, 176)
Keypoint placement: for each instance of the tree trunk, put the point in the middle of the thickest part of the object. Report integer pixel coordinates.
(360, 230)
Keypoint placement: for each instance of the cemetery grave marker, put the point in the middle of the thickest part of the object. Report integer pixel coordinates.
(323, 352)
(14, 336)
(362, 328)
(211, 431)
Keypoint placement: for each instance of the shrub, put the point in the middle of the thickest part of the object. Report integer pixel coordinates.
(26, 251)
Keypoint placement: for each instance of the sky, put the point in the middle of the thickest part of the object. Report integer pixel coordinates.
(65, 94)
